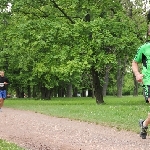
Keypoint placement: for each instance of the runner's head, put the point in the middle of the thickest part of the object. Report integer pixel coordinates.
(2, 73)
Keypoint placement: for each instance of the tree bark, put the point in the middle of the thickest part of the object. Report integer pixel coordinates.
(34, 91)
(120, 76)
(19, 92)
(106, 81)
(119, 83)
(69, 90)
(83, 92)
(97, 86)
(46, 93)
(29, 91)
(135, 90)
(90, 93)
(75, 92)
(60, 91)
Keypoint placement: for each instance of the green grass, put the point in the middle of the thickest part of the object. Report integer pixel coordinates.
(4, 145)
(122, 113)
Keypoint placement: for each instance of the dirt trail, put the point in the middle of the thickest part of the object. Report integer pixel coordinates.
(34, 131)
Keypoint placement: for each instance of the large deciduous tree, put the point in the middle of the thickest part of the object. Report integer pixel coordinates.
(52, 43)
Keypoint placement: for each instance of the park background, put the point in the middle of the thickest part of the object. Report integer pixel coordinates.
(53, 51)
(59, 48)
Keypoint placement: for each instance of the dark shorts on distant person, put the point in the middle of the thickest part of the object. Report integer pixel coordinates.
(3, 94)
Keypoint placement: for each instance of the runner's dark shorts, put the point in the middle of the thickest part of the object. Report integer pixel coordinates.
(146, 91)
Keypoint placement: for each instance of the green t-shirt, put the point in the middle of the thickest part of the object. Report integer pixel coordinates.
(143, 56)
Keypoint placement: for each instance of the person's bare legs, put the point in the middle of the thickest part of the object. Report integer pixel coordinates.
(1, 103)
(144, 126)
(147, 121)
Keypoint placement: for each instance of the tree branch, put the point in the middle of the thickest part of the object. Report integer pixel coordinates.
(68, 17)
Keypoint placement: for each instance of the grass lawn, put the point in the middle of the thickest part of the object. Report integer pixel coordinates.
(122, 113)
(8, 146)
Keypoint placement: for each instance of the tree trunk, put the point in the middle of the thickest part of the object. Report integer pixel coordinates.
(90, 93)
(120, 77)
(97, 86)
(19, 92)
(29, 91)
(119, 83)
(69, 90)
(75, 92)
(55, 92)
(60, 92)
(34, 91)
(106, 80)
(46, 93)
(135, 90)
(83, 92)
(93, 95)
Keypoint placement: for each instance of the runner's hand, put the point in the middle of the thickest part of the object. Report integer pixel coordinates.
(139, 77)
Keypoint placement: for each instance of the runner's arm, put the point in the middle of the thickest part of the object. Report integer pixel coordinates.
(135, 68)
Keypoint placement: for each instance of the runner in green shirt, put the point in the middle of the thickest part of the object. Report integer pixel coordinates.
(143, 56)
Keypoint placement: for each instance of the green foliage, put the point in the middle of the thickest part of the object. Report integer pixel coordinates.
(4, 145)
(54, 41)
(128, 87)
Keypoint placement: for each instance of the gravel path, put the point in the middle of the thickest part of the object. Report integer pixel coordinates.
(34, 131)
